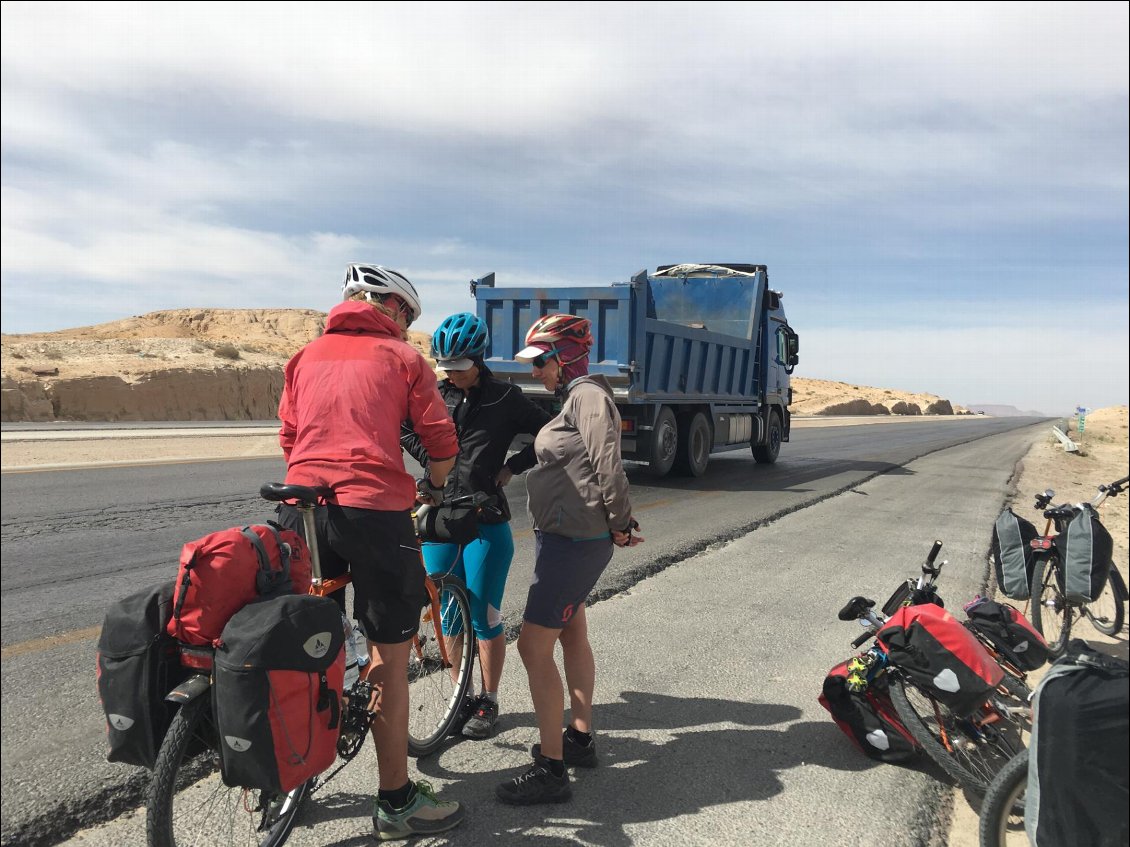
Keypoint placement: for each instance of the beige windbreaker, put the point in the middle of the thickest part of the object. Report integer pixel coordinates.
(579, 488)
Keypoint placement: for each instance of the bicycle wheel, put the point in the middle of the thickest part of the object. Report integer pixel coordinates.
(1108, 613)
(1002, 810)
(970, 750)
(1051, 613)
(437, 686)
(188, 803)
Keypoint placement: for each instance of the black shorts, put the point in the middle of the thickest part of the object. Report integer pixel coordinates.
(565, 571)
(380, 551)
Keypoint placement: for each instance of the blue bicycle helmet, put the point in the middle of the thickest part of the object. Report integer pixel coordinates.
(458, 340)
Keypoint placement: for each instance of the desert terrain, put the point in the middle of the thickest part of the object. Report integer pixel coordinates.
(226, 364)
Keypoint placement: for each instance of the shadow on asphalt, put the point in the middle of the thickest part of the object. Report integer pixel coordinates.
(794, 475)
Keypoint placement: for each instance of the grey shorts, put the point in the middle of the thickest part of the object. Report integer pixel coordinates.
(565, 571)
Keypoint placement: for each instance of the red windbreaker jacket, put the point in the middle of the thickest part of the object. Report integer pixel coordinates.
(345, 396)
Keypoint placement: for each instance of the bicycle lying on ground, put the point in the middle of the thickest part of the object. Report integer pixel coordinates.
(188, 802)
(1051, 612)
(970, 748)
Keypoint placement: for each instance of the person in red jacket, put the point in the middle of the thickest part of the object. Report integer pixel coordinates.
(344, 398)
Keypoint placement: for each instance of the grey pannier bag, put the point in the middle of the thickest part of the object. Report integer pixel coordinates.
(1013, 557)
(1085, 550)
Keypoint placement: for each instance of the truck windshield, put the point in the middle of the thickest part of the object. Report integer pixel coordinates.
(716, 304)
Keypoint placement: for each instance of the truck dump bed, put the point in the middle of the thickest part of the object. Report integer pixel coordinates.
(665, 337)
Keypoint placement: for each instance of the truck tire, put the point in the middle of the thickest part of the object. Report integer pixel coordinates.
(766, 454)
(664, 442)
(694, 446)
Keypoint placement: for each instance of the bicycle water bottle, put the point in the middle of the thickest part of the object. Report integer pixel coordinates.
(354, 659)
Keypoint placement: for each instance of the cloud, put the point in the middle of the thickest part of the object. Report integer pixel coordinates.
(162, 154)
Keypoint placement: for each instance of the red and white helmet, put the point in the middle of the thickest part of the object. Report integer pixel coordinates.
(379, 280)
(561, 334)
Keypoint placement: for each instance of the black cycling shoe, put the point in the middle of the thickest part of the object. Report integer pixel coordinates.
(470, 705)
(576, 755)
(535, 785)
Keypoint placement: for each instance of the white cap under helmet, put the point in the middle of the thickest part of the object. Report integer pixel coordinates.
(378, 280)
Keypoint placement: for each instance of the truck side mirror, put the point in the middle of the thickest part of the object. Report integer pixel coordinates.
(792, 348)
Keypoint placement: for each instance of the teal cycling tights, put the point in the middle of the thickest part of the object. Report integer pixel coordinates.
(483, 567)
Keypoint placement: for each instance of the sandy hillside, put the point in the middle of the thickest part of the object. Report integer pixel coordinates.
(226, 364)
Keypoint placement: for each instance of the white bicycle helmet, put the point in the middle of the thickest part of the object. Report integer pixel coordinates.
(378, 280)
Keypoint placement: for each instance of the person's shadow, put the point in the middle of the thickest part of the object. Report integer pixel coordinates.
(700, 752)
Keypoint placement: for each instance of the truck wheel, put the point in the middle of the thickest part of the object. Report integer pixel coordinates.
(766, 454)
(664, 442)
(694, 447)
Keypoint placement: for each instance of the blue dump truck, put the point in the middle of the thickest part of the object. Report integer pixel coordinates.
(698, 355)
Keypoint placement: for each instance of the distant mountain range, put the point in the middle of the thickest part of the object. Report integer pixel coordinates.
(998, 411)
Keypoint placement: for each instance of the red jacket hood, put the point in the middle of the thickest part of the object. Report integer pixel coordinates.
(358, 316)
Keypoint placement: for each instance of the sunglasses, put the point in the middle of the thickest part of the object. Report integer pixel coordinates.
(539, 360)
(402, 308)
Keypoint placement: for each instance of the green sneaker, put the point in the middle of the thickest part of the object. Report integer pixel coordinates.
(426, 814)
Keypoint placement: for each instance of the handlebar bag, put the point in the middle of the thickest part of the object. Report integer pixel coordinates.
(224, 571)
(1009, 632)
(1085, 549)
(1078, 773)
(447, 524)
(867, 717)
(279, 672)
(1013, 557)
(931, 647)
(137, 666)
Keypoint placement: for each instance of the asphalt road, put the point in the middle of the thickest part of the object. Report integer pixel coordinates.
(73, 541)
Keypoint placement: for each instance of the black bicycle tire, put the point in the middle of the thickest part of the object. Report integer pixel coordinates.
(1044, 580)
(926, 739)
(1113, 587)
(171, 758)
(425, 743)
(1002, 800)
(1015, 686)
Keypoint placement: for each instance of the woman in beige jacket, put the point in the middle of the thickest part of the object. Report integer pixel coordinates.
(579, 508)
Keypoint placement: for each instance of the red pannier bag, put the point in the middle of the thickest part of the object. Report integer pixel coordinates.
(867, 717)
(224, 571)
(932, 648)
(278, 676)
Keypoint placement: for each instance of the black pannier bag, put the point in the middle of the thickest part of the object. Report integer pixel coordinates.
(1085, 549)
(278, 672)
(1009, 632)
(1078, 773)
(138, 664)
(867, 717)
(1013, 557)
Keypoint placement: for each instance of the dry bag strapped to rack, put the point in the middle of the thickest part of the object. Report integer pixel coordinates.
(447, 524)
(277, 693)
(1085, 550)
(1009, 632)
(1013, 557)
(137, 666)
(938, 654)
(867, 717)
(224, 571)
(1078, 776)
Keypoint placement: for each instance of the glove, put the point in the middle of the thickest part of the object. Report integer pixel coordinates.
(428, 493)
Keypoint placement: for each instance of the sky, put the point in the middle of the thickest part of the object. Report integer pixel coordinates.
(940, 190)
